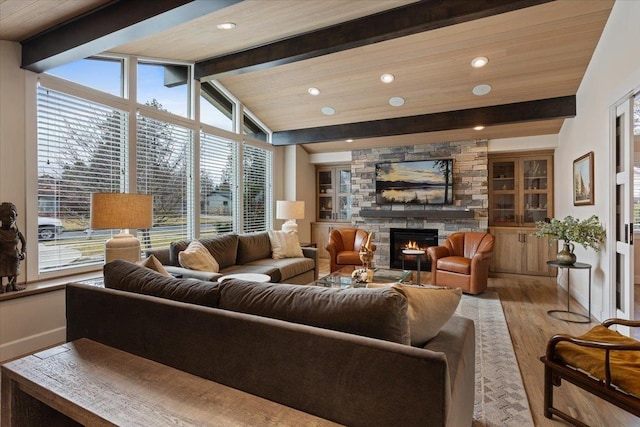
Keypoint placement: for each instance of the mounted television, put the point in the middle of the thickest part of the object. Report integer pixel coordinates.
(420, 182)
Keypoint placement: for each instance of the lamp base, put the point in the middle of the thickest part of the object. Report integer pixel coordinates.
(290, 226)
(122, 246)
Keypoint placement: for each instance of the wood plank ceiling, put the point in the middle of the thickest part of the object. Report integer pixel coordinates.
(535, 53)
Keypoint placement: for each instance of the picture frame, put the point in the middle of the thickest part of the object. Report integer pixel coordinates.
(583, 180)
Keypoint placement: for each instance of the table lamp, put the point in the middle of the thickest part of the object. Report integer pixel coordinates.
(289, 210)
(122, 211)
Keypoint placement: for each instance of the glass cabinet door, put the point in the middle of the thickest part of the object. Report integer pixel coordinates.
(503, 183)
(535, 190)
(334, 193)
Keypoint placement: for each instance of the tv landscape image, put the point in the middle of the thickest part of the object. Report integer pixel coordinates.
(421, 182)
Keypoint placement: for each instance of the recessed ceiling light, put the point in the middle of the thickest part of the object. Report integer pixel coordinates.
(387, 78)
(313, 91)
(348, 140)
(479, 127)
(479, 62)
(396, 101)
(226, 26)
(328, 111)
(481, 90)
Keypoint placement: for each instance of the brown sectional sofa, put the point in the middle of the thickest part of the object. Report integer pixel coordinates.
(243, 253)
(339, 354)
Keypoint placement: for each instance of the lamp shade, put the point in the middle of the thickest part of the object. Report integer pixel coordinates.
(286, 209)
(121, 211)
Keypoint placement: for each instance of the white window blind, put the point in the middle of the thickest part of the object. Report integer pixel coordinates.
(218, 160)
(82, 149)
(163, 157)
(257, 176)
(636, 198)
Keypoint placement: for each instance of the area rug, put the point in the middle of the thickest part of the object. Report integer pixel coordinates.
(500, 399)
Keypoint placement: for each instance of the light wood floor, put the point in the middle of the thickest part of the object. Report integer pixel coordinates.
(525, 301)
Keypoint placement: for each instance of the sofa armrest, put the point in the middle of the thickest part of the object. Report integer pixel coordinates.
(313, 254)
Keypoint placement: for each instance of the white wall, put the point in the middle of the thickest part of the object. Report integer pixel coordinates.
(614, 71)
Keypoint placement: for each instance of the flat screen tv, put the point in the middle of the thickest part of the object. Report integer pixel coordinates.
(420, 182)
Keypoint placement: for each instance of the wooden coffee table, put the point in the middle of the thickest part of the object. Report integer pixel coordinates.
(342, 278)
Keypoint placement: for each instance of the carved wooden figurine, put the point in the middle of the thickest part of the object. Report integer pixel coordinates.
(10, 256)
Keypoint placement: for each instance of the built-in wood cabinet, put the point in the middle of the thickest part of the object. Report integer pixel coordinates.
(515, 250)
(520, 189)
(333, 193)
(520, 193)
(320, 235)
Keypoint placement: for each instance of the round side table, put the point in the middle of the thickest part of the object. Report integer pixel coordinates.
(418, 254)
(557, 314)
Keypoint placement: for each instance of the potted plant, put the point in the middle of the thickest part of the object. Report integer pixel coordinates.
(589, 233)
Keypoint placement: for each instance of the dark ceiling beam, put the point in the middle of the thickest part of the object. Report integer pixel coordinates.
(399, 22)
(545, 109)
(116, 23)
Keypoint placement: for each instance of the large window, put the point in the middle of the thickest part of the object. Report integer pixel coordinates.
(85, 145)
(163, 156)
(256, 166)
(82, 149)
(218, 183)
(104, 74)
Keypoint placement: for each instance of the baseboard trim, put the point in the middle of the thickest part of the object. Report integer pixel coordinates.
(32, 343)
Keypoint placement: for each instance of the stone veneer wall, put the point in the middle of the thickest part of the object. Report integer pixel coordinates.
(470, 191)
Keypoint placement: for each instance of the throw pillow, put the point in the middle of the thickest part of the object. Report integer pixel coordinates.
(430, 307)
(152, 263)
(285, 244)
(197, 257)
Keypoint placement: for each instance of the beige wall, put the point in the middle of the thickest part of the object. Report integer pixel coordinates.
(614, 72)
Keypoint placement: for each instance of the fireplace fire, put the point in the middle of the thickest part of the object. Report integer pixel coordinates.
(410, 238)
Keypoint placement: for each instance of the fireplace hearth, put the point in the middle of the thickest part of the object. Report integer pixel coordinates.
(410, 238)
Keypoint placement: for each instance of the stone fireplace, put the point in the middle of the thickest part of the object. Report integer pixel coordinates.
(410, 238)
(469, 211)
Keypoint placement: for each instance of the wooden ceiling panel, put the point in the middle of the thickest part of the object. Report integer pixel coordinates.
(535, 53)
(21, 19)
(257, 22)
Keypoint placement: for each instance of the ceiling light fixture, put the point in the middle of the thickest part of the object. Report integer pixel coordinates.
(387, 78)
(226, 26)
(396, 101)
(313, 91)
(479, 62)
(481, 90)
(328, 111)
(479, 127)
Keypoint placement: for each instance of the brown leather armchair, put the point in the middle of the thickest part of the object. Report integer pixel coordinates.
(463, 262)
(344, 247)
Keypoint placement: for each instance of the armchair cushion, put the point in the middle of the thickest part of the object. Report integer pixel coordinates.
(625, 364)
(457, 264)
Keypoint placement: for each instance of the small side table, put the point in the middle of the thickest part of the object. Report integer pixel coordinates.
(250, 277)
(418, 253)
(577, 266)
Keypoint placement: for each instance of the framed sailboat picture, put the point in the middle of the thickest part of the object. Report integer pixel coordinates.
(583, 180)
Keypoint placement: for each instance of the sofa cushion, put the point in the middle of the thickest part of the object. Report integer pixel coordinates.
(287, 268)
(376, 313)
(152, 263)
(252, 247)
(430, 307)
(223, 248)
(285, 244)
(126, 276)
(197, 257)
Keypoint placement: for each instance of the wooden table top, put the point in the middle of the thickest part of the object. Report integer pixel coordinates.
(98, 385)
